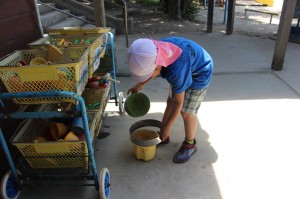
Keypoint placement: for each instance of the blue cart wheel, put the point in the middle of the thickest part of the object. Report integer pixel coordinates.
(121, 102)
(9, 187)
(104, 183)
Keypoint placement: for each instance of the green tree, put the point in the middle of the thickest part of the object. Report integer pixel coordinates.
(177, 9)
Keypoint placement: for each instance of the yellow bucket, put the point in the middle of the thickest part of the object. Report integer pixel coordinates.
(145, 140)
(143, 151)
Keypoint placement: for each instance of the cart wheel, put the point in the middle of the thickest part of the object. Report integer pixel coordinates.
(9, 187)
(121, 102)
(104, 183)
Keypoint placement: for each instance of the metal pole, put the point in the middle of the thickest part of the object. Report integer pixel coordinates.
(230, 18)
(210, 15)
(126, 25)
(113, 65)
(38, 18)
(225, 11)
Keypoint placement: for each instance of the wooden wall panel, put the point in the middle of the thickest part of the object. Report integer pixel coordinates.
(15, 7)
(17, 43)
(19, 25)
(15, 26)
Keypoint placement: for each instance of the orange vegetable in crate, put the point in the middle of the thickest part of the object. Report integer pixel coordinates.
(58, 130)
(71, 137)
(47, 134)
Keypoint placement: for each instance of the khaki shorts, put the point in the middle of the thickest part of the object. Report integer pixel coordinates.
(192, 100)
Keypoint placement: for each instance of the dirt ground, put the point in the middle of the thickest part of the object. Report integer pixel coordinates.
(153, 21)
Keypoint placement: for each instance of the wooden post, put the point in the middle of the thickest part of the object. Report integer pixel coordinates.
(99, 13)
(283, 33)
(210, 15)
(230, 17)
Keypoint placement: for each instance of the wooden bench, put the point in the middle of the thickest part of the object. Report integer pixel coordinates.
(261, 10)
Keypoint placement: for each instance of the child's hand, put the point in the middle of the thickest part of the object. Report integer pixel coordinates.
(136, 88)
(164, 133)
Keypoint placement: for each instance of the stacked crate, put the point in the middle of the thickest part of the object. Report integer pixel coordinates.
(62, 61)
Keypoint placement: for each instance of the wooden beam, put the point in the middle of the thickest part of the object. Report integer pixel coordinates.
(230, 18)
(210, 16)
(99, 13)
(283, 33)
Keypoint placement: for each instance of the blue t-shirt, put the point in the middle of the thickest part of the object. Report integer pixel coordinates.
(193, 68)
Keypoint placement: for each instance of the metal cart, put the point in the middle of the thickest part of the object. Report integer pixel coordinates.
(118, 97)
(24, 172)
(14, 179)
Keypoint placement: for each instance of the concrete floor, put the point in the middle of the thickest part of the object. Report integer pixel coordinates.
(248, 131)
(248, 135)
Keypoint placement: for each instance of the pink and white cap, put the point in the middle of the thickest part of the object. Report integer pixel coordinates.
(144, 55)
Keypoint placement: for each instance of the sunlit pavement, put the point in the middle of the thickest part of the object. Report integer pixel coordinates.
(248, 127)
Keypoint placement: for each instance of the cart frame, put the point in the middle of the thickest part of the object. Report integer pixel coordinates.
(34, 115)
(80, 110)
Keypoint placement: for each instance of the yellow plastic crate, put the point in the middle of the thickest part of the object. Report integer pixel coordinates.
(51, 154)
(78, 30)
(96, 42)
(98, 120)
(93, 96)
(69, 74)
(96, 96)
